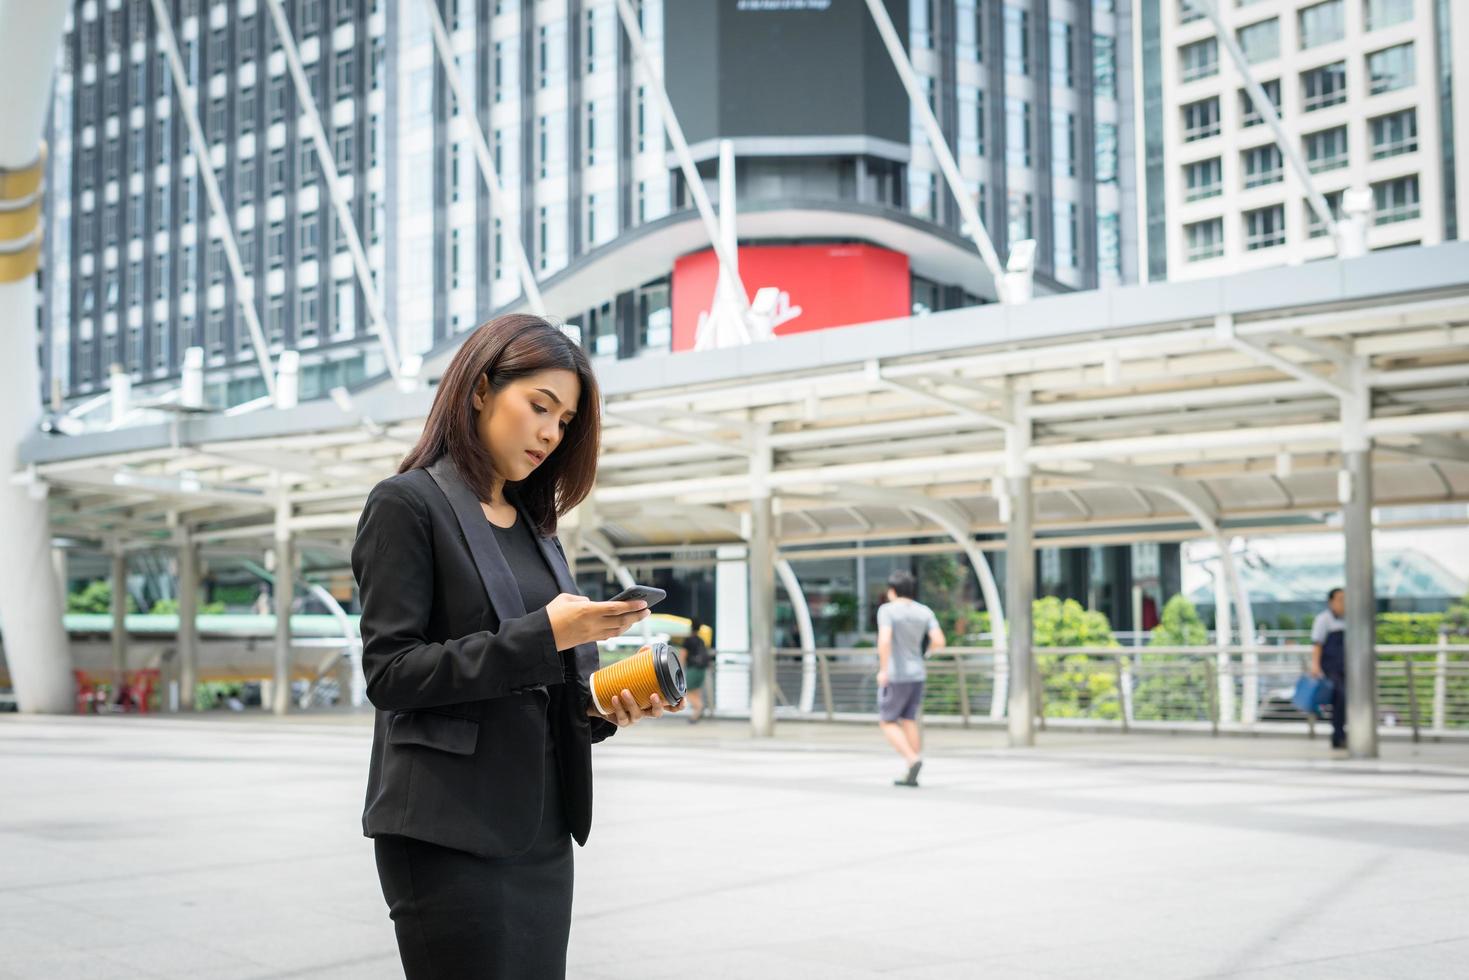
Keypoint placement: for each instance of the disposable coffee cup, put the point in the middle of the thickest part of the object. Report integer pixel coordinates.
(654, 669)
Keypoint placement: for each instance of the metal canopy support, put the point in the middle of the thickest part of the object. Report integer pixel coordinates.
(1354, 489)
(762, 592)
(804, 629)
(188, 636)
(188, 105)
(285, 590)
(119, 617)
(1020, 575)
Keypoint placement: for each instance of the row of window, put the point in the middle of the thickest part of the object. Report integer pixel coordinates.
(1393, 201)
(1392, 135)
(1320, 23)
(1388, 69)
(1321, 88)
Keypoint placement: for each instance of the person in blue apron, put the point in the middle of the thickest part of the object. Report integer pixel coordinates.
(1329, 660)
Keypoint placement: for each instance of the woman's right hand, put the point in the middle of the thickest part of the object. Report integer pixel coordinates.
(575, 619)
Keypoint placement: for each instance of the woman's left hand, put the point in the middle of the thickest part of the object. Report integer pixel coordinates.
(625, 710)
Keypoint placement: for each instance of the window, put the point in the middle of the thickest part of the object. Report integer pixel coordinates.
(1109, 247)
(1017, 40)
(1188, 13)
(307, 314)
(1065, 234)
(969, 30)
(1021, 214)
(1324, 86)
(1106, 148)
(1201, 119)
(1265, 227)
(1326, 150)
(275, 99)
(1063, 71)
(971, 121)
(1322, 23)
(307, 235)
(344, 11)
(1247, 105)
(1203, 179)
(1200, 59)
(344, 149)
(246, 112)
(1315, 227)
(551, 144)
(1390, 69)
(456, 258)
(1394, 134)
(275, 245)
(1386, 13)
(275, 170)
(1104, 65)
(1018, 137)
(1395, 200)
(245, 182)
(550, 54)
(1261, 41)
(310, 16)
(345, 65)
(1261, 165)
(306, 172)
(275, 320)
(1063, 145)
(1204, 239)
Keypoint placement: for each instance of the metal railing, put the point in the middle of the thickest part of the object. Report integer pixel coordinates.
(1422, 689)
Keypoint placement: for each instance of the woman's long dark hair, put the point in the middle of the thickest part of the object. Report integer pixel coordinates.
(506, 348)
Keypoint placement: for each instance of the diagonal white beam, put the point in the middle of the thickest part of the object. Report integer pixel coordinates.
(1224, 328)
(327, 159)
(485, 159)
(189, 106)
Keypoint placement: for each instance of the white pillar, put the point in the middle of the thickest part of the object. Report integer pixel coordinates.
(762, 617)
(1361, 608)
(1019, 593)
(285, 588)
(802, 610)
(188, 635)
(31, 601)
(119, 616)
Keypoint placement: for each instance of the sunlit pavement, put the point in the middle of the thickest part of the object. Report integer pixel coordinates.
(229, 846)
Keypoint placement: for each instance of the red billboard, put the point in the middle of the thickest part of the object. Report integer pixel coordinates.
(821, 286)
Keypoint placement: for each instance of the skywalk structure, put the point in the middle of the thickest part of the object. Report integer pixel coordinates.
(1238, 402)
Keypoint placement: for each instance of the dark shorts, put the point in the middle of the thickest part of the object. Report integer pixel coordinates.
(900, 700)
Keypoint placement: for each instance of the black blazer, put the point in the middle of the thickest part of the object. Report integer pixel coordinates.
(454, 665)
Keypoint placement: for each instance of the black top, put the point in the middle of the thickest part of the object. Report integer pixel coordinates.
(523, 555)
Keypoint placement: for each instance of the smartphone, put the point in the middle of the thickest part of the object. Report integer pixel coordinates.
(646, 593)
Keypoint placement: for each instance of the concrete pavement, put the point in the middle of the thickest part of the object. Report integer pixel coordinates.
(229, 847)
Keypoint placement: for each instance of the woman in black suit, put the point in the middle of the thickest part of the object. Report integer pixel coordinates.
(477, 651)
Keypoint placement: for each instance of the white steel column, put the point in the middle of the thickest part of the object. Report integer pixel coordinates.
(188, 633)
(1020, 577)
(807, 635)
(119, 632)
(285, 588)
(762, 592)
(1354, 489)
(31, 600)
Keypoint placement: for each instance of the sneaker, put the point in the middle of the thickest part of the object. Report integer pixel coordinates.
(911, 779)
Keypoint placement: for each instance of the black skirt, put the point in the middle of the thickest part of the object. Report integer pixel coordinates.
(459, 916)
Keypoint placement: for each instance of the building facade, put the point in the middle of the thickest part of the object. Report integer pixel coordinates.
(1031, 95)
(1365, 88)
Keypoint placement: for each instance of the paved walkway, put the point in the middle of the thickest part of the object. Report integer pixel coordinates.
(227, 847)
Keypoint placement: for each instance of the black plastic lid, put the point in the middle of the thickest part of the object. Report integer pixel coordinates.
(671, 683)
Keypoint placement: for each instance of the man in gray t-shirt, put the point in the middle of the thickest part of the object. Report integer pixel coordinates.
(902, 624)
(1329, 660)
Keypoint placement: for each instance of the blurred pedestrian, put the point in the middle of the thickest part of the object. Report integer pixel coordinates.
(695, 657)
(902, 625)
(1329, 660)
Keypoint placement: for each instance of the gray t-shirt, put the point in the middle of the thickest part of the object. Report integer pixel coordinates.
(1326, 623)
(909, 621)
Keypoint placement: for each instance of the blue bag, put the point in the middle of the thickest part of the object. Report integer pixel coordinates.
(1312, 694)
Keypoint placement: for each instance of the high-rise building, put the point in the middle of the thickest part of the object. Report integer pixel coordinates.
(1366, 92)
(836, 180)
